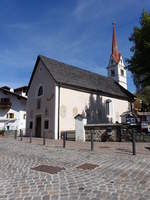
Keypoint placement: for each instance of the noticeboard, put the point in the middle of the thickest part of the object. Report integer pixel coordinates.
(131, 120)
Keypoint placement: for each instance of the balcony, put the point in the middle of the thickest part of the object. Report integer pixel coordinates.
(5, 103)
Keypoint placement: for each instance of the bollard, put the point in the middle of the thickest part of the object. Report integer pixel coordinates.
(64, 140)
(21, 135)
(15, 135)
(92, 142)
(44, 139)
(134, 142)
(30, 137)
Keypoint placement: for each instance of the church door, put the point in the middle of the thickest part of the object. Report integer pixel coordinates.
(38, 127)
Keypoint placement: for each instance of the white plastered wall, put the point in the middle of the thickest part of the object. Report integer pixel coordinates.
(73, 102)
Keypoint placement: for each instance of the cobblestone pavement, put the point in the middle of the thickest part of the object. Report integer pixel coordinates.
(119, 175)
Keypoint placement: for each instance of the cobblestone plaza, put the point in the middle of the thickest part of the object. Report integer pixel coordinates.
(117, 173)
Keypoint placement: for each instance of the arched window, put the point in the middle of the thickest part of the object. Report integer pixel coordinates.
(112, 73)
(108, 107)
(40, 91)
(122, 72)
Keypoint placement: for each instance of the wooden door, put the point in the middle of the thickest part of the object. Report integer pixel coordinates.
(38, 127)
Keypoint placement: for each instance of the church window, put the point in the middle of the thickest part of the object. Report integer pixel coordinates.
(113, 73)
(31, 125)
(46, 124)
(122, 72)
(40, 91)
(108, 109)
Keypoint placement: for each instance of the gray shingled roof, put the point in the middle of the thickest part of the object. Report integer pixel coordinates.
(80, 78)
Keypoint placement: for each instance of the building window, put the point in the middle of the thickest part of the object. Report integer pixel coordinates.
(112, 73)
(5, 100)
(122, 72)
(24, 116)
(108, 106)
(40, 91)
(46, 124)
(38, 103)
(31, 125)
(10, 115)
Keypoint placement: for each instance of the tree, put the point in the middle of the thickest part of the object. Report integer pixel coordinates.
(144, 95)
(139, 63)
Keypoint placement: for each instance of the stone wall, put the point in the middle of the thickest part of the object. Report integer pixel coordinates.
(101, 132)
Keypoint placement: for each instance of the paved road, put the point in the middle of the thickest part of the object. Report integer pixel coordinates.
(119, 175)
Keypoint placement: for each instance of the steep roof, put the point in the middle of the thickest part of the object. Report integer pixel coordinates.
(115, 52)
(69, 75)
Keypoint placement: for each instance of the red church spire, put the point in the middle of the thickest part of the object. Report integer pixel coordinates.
(115, 52)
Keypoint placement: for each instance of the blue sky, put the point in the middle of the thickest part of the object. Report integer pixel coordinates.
(78, 32)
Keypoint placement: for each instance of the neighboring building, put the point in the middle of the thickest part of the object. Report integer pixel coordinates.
(144, 119)
(57, 92)
(21, 91)
(12, 110)
(116, 67)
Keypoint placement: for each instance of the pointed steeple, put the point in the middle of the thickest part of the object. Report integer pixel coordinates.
(116, 67)
(115, 53)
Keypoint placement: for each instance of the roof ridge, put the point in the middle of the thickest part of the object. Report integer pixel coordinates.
(73, 66)
(79, 78)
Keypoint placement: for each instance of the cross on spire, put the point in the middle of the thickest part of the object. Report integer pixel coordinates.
(115, 52)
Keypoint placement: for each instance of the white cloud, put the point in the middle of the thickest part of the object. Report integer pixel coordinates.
(88, 10)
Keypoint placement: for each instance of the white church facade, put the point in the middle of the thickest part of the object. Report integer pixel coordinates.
(58, 92)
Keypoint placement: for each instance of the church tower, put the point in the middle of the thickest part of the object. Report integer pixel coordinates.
(116, 67)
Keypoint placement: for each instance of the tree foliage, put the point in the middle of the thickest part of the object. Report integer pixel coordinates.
(144, 95)
(139, 64)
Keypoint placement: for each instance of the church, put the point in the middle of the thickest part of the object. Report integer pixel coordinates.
(58, 92)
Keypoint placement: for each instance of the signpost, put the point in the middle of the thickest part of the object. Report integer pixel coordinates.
(132, 121)
(134, 142)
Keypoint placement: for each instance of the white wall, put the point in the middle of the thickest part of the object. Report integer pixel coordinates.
(74, 102)
(122, 80)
